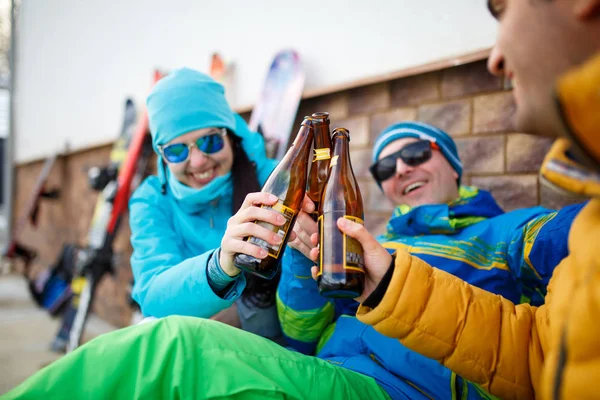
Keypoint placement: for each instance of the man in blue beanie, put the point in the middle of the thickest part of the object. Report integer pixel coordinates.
(456, 228)
(427, 159)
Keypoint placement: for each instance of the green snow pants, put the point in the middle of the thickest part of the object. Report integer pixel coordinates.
(192, 358)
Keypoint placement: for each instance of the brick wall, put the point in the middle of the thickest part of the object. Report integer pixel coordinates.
(67, 220)
(473, 106)
(466, 101)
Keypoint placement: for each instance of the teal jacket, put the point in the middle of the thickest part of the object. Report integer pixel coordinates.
(173, 239)
(511, 254)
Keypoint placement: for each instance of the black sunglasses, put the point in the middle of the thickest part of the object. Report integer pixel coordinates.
(412, 154)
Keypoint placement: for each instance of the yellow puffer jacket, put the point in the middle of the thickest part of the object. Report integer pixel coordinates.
(517, 352)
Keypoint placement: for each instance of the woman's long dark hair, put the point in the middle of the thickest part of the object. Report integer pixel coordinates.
(258, 292)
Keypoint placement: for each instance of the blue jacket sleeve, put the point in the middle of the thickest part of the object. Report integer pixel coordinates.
(305, 314)
(537, 249)
(165, 283)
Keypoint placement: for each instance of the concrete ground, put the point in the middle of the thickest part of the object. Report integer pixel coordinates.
(26, 332)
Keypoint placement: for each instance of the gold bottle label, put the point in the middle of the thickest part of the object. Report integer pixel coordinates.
(353, 259)
(333, 161)
(321, 154)
(288, 214)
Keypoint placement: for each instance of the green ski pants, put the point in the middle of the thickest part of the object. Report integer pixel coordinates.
(192, 358)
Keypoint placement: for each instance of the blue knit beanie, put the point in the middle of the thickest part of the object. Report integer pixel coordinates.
(420, 130)
(184, 101)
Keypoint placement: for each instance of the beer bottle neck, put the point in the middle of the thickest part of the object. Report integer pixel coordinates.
(341, 153)
(303, 141)
(322, 136)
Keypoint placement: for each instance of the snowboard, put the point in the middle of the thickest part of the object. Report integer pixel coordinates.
(217, 68)
(277, 105)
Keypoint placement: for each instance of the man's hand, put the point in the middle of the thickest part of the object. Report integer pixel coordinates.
(304, 228)
(377, 258)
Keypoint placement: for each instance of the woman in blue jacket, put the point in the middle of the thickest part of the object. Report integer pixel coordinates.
(187, 222)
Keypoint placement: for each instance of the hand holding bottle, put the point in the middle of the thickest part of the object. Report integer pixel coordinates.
(242, 225)
(377, 258)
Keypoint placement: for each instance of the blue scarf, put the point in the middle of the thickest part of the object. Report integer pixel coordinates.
(195, 200)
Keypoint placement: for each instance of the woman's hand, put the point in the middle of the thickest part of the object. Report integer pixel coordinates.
(242, 225)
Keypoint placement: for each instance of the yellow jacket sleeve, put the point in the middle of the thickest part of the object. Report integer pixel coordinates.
(479, 335)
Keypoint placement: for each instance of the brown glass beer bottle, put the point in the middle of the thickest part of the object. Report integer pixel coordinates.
(341, 263)
(319, 167)
(288, 183)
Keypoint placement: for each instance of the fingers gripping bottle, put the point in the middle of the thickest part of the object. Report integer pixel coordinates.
(288, 183)
(319, 167)
(341, 263)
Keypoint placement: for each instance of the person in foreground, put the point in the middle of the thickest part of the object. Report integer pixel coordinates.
(551, 50)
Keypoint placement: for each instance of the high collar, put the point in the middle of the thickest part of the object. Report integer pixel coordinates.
(196, 200)
(471, 207)
(562, 171)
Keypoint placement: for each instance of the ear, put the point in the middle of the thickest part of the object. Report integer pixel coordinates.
(586, 9)
(455, 174)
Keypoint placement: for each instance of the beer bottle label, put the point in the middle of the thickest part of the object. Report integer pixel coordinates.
(333, 161)
(354, 259)
(352, 255)
(321, 154)
(288, 214)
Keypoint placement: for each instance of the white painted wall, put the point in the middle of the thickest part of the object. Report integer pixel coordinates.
(77, 60)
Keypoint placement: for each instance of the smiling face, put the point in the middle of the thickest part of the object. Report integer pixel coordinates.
(200, 169)
(433, 182)
(537, 42)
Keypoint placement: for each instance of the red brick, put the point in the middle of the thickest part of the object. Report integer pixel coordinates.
(369, 99)
(373, 198)
(415, 89)
(482, 154)
(453, 117)
(511, 192)
(376, 223)
(381, 121)
(335, 104)
(469, 79)
(358, 127)
(361, 161)
(525, 153)
(494, 113)
(556, 199)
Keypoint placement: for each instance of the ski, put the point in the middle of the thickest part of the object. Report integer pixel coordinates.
(128, 163)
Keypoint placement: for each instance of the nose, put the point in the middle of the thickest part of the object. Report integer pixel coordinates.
(402, 169)
(496, 62)
(197, 158)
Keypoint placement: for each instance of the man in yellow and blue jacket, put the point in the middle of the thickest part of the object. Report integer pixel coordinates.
(551, 50)
(459, 229)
